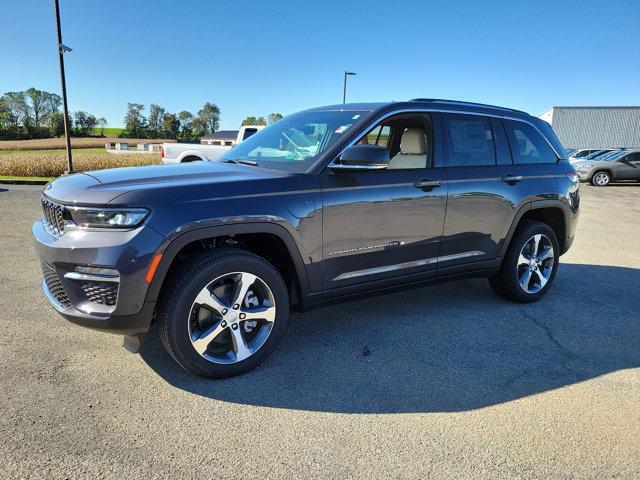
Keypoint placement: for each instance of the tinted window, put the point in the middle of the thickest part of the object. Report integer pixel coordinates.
(469, 139)
(527, 145)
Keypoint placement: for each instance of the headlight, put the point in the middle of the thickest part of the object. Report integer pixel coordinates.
(83, 217)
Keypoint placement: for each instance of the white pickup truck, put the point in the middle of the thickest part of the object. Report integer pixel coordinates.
(189, 152)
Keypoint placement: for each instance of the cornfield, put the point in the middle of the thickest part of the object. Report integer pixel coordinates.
(59, 143)
(54, 163)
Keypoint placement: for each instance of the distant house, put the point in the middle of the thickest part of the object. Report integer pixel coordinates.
(595, 127)
(223, 137)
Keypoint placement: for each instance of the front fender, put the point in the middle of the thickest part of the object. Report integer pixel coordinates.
(174, 243)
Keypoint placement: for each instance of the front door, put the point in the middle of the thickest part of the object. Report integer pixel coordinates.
(385, 224)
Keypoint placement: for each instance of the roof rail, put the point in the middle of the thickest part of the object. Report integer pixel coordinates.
(459, 102)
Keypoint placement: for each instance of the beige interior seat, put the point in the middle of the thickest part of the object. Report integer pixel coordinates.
(413, 150)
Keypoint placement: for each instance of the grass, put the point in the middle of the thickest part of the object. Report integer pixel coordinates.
(53, 163)
(108, 132)
(59, 143)
(10, 178)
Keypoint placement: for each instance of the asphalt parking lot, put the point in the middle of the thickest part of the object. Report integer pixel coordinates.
(441, 382)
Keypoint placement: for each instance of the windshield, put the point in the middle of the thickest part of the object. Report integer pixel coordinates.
(611, 156)
(294, 143)
(596, 154)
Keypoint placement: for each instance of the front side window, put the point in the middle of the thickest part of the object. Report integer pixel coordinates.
(409, 139)
(527, 145)
(294, 143)
(469, 139)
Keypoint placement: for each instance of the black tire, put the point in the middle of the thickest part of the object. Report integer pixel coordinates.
(181, 291)
(506, 283)
(604, 175)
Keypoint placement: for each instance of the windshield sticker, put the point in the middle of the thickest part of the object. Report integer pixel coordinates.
(355, 117)
(341, 129)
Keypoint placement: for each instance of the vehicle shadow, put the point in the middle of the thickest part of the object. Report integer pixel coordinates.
(447, 348)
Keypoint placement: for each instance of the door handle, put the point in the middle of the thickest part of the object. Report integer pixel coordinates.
(511, 179)
(427, 183)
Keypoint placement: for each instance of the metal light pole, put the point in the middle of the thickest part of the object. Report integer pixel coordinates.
(344, 90)
(61, 51)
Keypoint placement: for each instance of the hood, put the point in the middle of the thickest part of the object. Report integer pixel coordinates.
(103, 186)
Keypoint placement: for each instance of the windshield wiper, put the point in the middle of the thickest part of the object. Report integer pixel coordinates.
(228, 160)
(248, 162)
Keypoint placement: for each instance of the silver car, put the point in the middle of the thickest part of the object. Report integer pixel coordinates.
(600, 171)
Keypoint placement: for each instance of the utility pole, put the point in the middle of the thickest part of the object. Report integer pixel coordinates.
(344, 90)
(62, 49)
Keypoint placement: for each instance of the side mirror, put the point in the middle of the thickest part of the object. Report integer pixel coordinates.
(362, 157)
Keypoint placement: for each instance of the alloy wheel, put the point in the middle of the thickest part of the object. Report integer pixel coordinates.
(535, 263)
(601, 179)
(231, 318)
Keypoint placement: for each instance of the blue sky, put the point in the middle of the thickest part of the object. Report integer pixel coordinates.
(253, 58)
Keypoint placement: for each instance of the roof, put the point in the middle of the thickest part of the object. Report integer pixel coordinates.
(596, 126)
(222, 135)
(438, 103)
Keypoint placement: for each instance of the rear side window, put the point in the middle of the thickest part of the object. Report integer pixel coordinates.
(527, 145)
(469, 139)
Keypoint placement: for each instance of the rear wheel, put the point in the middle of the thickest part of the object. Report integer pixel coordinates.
(224, 313)
(530, 265)
(601, 179)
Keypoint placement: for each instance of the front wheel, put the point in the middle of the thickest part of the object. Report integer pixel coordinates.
(224, 313)
(601, 179)
(530, 265)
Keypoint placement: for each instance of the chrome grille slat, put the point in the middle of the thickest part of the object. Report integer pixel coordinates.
(53, 215)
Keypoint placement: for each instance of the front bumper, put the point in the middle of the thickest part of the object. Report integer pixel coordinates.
(108, 306)
(584, 176)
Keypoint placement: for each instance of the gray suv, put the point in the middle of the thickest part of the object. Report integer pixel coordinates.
(325, 205)
(601, 171)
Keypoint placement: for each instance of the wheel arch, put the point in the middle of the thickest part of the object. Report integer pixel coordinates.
(551, 212)
(602, 169)
(260, 232)
(193, 154)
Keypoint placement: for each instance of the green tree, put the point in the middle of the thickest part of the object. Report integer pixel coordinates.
(84, 123)
(41, 105)
(135, 122)
(273, 118)
(209, 118)
(156, 113)
(16, 102)
(102, 124)
(186, 124)
(254, 121)
(56, 124)
(171, 125)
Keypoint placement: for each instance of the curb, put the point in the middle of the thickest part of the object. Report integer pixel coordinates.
(24, 182)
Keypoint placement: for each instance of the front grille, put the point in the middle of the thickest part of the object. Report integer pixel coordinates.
(55, 286)
(102, 293)
(53, 215)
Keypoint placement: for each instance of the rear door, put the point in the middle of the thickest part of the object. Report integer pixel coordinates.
(485, 189)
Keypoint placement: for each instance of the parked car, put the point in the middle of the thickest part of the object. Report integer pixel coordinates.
(592, 155)
(326, 205)
(191, 152)
(584, 152)
(601, 171)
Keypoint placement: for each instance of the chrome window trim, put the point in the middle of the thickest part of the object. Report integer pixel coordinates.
(375, 122)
